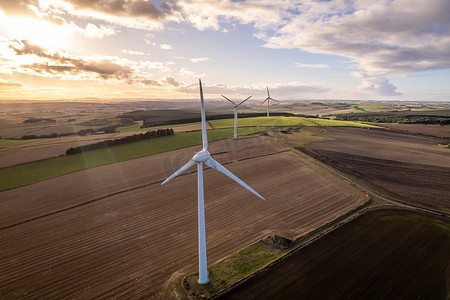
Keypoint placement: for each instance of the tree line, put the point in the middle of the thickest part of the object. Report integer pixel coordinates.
(125, 140)
(400, 117)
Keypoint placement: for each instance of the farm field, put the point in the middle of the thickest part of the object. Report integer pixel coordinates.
(19, 152)
(283, 121)
(382, 254)
(410, 168)
(435, 130)
(114, 231)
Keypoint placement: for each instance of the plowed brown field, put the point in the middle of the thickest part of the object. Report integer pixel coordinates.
(384, 254)
(114, 231)
(406, 167)
(435, 130)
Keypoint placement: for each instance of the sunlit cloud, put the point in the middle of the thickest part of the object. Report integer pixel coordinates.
(93, 31)
(199, 59)
(166, 47)
(61, 64)
(131, 52)
(311, 66)
(4, 83)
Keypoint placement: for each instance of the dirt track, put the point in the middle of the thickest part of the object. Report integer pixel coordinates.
(385, 254)
(403, 166)
(113, 231)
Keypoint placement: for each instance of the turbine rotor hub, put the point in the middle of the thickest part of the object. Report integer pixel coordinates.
(201, 156)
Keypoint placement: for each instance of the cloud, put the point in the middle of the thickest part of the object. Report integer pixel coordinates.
(384, 37)
(165, 46)
(379, 86)
(149, 82)
(30, 8)
(63, 64)
(285, 91)
(189, 73)
(199, 59)
(131, 52)
(311, 66)
(92, 31)
(123, 8)
(171, 81)
(9, 83)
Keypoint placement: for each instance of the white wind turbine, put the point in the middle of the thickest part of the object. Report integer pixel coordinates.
(199, 158)
(235, 113)
(268, 101)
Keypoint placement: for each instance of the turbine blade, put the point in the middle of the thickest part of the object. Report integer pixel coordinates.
(274, 100)
(202, 101)
(180, 170)
(215, 165)
(244, 100)
(268, 94)
(229, 100)
(265, 100)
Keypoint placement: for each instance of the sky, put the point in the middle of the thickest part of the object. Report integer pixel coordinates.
(157, 50)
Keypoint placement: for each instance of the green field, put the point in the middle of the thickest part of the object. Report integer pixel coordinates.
(135, 127)
(327, 122)
(283, 121)
(262, 121)
(28, 173)
(8, 143)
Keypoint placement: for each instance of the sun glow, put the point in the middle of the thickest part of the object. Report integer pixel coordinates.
(36, 31)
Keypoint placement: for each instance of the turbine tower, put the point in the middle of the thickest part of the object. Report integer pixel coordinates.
(235, 113)
(268, 101)
(199, 158)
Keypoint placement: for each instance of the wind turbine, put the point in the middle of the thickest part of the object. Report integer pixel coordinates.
(268, 101)
(199, 158)
(235, 113)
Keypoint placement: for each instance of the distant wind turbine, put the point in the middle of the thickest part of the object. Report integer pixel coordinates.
(235, 113)
(199, 158)
(268, 101)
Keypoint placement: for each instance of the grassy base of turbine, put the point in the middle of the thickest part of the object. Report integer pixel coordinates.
(237, 266)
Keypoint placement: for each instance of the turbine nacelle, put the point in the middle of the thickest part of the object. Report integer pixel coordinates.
(201, 156)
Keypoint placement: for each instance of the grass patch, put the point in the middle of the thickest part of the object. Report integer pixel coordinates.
(8, 143)
(238, 266)
(300, 136)
(28, 173)
(130, 128)
(284, 121)
(262, 121)
(327, 122)
(171, 126)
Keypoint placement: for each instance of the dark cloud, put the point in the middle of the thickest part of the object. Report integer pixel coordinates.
(124, 8)
(149, 82)
(18, 7)
(171, 81)
(384, 37)
(22, 8)
(64, 64)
